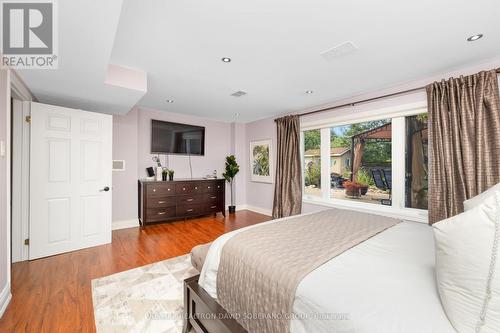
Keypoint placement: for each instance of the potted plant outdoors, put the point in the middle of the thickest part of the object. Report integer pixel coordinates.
(352, 189)
(364, 179)
(232, 168)
(170, 175)
(164, 174)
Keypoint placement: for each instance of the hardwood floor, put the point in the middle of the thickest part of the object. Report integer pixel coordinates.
(54, 294)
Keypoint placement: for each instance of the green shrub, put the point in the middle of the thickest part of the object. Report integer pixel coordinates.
(313, 174)
(364, 177)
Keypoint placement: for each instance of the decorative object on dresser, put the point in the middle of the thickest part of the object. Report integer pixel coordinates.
(232, 168)
(164, 201)
(159, 168)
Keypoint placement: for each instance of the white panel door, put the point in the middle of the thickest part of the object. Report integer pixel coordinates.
(70, 180)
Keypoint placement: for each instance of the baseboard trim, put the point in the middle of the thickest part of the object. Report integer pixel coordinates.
(255, 209)
(117, 225)
(5, 297)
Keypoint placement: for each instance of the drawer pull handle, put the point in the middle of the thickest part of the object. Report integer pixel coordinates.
(183, 188)
(213, 197)
(154, 190)
(189, 210)
(190, 199)
(162, 213)
(196, 187)
(168, 189)
(218, 186)
(161, 202)
(213, 207)
(209, 187)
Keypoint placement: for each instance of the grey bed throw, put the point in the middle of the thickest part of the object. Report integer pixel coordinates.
(260, 268)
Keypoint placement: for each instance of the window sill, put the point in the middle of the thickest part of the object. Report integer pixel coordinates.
(406, 214)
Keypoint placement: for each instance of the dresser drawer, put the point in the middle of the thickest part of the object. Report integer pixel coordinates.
(165, 189)
(158, 201)
(210, 187)
(189, 199)
(212, 197)
(213, 207)
(159, 214)
(188, 188)
(189, 209)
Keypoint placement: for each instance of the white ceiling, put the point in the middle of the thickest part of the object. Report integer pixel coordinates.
(275, 48)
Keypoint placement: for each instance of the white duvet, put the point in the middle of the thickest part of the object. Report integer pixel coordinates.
(385, 284)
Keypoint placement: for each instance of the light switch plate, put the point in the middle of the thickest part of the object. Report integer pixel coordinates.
(2, 148)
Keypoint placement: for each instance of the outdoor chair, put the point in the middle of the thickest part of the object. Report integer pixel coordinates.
(378, 179)
(383, 181)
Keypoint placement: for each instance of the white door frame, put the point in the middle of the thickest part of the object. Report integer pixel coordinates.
(20, 201)
(20, 179)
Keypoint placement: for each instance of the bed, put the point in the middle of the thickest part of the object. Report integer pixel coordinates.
(384, 284)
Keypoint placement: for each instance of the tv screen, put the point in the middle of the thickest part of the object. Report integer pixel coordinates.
(174, 138)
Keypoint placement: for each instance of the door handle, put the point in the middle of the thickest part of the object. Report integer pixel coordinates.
(105, 189)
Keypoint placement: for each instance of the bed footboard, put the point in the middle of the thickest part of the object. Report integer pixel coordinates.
(203, 314)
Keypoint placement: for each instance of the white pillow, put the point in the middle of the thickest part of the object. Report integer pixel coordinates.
(468, 267)
(478, 199)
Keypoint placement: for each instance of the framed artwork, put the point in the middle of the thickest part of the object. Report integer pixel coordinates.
(261, 161)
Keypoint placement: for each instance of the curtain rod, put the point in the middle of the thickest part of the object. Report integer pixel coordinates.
(368, 100)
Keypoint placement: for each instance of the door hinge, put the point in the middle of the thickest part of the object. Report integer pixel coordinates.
(27, 241)
(28, 119)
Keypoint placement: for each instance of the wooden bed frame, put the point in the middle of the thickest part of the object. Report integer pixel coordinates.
(203, 314)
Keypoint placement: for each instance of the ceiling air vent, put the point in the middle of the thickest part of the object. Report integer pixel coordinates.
(239, 94)
(339, 51)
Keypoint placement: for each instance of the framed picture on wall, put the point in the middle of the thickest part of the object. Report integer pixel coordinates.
(261, 161)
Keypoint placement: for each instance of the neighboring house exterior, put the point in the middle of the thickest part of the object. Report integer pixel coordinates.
(340, 158)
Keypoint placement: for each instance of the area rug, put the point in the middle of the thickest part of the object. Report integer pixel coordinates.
(143, 299)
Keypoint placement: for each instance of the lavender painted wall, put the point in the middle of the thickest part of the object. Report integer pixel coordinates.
(239, 150)
(4, 188)
(125, 182)
(132, 142)
(217, 145)
(261, 195)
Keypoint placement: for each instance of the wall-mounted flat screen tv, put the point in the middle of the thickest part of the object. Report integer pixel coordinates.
(174, 138)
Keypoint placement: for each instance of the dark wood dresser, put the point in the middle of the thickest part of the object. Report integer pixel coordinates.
(169, 200)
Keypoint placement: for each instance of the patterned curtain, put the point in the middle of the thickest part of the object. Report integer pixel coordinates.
(464, 141)
(288, 184)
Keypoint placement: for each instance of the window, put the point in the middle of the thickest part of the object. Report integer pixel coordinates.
(312, 162)
(368, 144)
(416, 162)
(380, 162)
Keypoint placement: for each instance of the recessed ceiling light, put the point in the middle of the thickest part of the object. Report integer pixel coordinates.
(226, 59)
(237, 114)
(170, 100)
(309, 91)
(474, 38)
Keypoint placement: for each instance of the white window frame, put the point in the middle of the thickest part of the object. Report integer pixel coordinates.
(398, 116)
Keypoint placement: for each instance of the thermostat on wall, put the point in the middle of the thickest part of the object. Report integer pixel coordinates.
(118, 165)
(2, 148)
